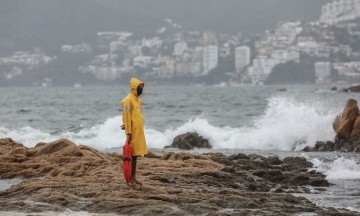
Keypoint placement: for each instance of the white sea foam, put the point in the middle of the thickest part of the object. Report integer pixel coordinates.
(340, 168)
(285, 125)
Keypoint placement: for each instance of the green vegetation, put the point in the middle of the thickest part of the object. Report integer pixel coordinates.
(291, 73)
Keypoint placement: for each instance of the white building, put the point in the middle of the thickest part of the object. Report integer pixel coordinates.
(210, 58)
(180, 48)
(340, 10)
(323, 72)
(80, 48)
(285, 55)
(153, 42)
(242, 57)
(142, 61)
(261, 68)
(135, 50)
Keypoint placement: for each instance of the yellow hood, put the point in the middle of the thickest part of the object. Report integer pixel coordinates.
(134, 83)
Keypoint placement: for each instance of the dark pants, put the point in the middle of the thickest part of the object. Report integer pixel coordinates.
(133, 166)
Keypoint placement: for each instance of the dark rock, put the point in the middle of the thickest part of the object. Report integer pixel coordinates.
(167, 155)
(159, 178)
(260, 173)
(324, 146)
(257, 157)
(239, 156)
(228, 169)
(184, 145)
(300, 162)
(334, 88)
(152, 155)
(189, 141)
(273, 160)
(353, 89)
(301, 179)
(319, 182)
(281, 90)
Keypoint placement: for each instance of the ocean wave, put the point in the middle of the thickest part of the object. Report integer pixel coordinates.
(285, 125)
(340, 168)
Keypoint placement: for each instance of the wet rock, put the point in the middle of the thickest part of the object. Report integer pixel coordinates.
(7, 145)
(53, 147)
(355, 88)
(255, 157)
(299, 162)
(319, 182)
(355, 132)
(300, 179)
(152, 155)
(239, 156)
(80, 178)
(343, 123)
(18, 151)
(189, 141)
(273, 160)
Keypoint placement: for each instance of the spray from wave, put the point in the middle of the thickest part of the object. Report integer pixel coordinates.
(339, 168)
(285, 125)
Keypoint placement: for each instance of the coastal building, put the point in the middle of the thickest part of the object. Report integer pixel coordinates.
(142, 61)
(285, 55)
(242, 57)
(103, 73)
(79, 48)
(210, 58)
(261, 68)
(348, 71)
(323, 72)
(153, 42)
(340, 10)
(188, 68)
(180, 48)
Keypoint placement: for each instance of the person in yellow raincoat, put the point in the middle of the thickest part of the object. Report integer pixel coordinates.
(133, 124)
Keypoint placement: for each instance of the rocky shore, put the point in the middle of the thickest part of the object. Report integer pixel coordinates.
(61, 175)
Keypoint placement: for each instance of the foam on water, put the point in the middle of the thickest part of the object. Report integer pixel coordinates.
(340, 168)
(284, 125)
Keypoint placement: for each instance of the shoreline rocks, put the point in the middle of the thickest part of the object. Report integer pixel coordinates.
(347, 128)
(189, 141)
(60, 175)
(355, 88)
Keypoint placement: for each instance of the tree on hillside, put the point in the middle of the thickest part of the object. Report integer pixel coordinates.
(292, 73)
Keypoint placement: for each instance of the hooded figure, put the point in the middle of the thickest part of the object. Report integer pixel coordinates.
(133, 119)
(133, 124)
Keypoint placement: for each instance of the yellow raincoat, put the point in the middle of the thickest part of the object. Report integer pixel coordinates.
(133, 119)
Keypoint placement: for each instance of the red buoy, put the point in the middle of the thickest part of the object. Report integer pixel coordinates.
(127, 151)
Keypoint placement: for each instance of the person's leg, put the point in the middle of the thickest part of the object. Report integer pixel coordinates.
(133, 170)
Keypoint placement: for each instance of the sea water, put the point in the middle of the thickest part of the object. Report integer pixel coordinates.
(249, 119)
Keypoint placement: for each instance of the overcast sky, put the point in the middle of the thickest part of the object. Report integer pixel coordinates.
(27, 22)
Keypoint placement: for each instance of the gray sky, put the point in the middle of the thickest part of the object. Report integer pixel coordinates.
(37, 22)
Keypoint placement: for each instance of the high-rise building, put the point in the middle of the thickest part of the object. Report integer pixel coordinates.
(242, 57)
(323, 72)
(210, 58)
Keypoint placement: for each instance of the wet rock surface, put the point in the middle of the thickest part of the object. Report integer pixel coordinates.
(347, 128)
(190, 141)
(60, 175)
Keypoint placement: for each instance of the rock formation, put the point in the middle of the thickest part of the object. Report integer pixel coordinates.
(347, 128)
(344, 123)
(60, 175)
(355, 88)
(189, 141)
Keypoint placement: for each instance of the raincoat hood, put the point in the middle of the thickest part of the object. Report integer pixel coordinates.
(134, 83)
